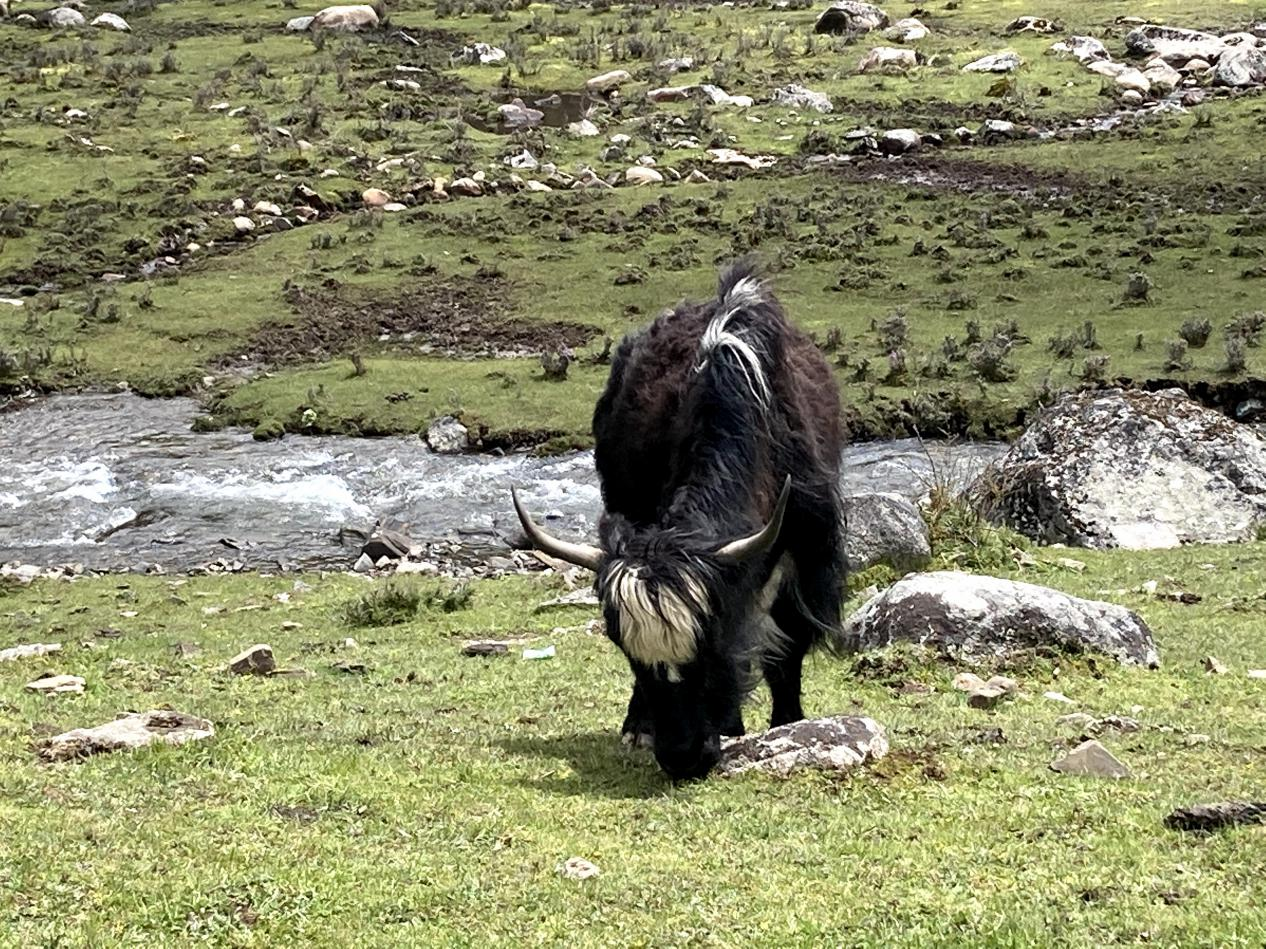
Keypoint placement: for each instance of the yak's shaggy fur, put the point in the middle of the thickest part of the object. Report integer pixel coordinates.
(705, 413)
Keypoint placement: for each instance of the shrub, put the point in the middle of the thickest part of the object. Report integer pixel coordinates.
(1196, 332)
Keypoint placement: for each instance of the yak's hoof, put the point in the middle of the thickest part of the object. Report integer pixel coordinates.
(638, 739)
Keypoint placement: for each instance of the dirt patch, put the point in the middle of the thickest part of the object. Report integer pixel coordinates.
(448, 317)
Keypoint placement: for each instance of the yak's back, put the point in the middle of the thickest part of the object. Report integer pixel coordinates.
(726, 382)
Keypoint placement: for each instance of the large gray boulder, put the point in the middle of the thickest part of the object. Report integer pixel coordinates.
(1138, 470)
(1240, 67)
(885, 528)
(851, 16)
(977, 618)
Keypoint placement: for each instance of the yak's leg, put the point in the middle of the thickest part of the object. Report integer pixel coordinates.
(782, 665)
(638, 728)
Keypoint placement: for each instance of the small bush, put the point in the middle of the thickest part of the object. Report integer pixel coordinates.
(1176, 358)
(388, 604)
(1236, 355)
(1196, 332)
(1063, 346)
(1094, 369)
(989, 360)
(1247, 327)
(894, 331)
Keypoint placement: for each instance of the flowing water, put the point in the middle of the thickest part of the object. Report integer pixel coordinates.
(114, 481)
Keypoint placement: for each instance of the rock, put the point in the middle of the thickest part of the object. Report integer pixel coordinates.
(1240, 39)
(578, 868)
(546, 653)
(968, 682)
(985, 698)
(1214, 665)
(394, 207)
(1091, 759)
(1076, 720)
(29, 651)
(608, 81)
(729, 156)
(909, 30)
(1194, 67)
(1204, 818)
(1005, 61)
(637, 175)
(63, 18)
(255, 660)
(538, 186)
(839, 743)
(1130, 469)
(1241, 66)
(57, 685)
(720, 97)
(481, 54)
(128, 733)
(386, 543)
(1257, 673)
(888, 59)
(583, 129)
(485, 647)
(243, 225)
(1175, 46)
(982, 618)
(885, 528)
(1058, 697)
(899, 141)
(1082, 48)
(1033, 24)
(350, 18)
(1000, 130)
(697, 177)
(446, 436)
(267, 207)
(466, 187)
(298, 24)
(1133, 81)
(111, 21)
(364, 564)
(850, 16)
(681, 64)
(798, 97)
(1162, 77)
(1004, 684)
(669, 94)
(516, 115)
(374, 197)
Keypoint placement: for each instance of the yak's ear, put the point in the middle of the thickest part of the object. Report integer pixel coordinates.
(736, 551)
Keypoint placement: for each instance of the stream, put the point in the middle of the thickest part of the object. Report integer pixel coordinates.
(117, 482)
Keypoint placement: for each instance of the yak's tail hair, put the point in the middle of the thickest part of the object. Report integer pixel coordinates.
(744, 310)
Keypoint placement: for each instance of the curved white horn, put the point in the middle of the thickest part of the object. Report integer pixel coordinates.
(736, 551)
(582, 555)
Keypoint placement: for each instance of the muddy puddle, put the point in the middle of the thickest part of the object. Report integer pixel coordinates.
(114, 481)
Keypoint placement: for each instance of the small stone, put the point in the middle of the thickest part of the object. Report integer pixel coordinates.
(900, 141)
(985, 698)
(238, 205)
(1058, 697)
(547, 653)
(57, 685)
(446, 435)
(583, 129)
(364, 564)
(267, 207)
(374, 197)
(888, 59)
(29, 651)
(968, 682)
(1003, 684)
(111, 21)
(255, 660)
(839, 743)
(1209, 817)
(128, 733)
(578, 868)
(485, 647)
(1077, 720)
(1257, 673)
(639, 175)
(1195, 739)
(243, 225)
(697, 177)
(909, 30)
(298, 24)
(1005, 61)
(608, 81)
(1214, 665)
(1091, 759)
(394, 207)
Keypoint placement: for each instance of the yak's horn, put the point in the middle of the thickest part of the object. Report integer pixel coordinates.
(582, 555)
(736, 551)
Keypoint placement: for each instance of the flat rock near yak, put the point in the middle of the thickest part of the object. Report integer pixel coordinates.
(1136, 470)
(978, 618)
(126, 734)
(838, 743)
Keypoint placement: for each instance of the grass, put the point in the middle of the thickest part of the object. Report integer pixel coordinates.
(430, 799)
(1045, 234)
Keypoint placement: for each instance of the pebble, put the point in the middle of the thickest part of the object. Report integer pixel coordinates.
(255, 660)
(1091, 759)
(1214, 665)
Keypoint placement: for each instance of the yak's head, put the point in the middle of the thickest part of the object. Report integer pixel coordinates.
(670, 599)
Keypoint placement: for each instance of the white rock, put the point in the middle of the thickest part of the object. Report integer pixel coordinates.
(798, 97)
(578, 868)
(238, 205)
(346, 18)
(669, 94)
(1162, 77)
(243, 225)
(466, 187)
(1059, 697)
(1175, 46)
(839, 743)
(1133, 80)
(639, 175)
(111, 21)
(583, 129)
(979, 618)
(57, 685)
(1082, 48)
(446, 436)
(899, 141)
(298, 24)
(1241, 66)
(608, 81)
(29, 651)
(394, 207)
(267, 207)
(720, 97)
(729, 156)
(888, 59)
(850, 16)
(909, 30)
(1005, 61)
(1091, 759)
(481, 54)
(538, 186)
(158, 726)
(374, 197)
(65, 18)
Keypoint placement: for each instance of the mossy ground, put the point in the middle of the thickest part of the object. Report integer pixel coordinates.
(1031, 239)
(429, 799)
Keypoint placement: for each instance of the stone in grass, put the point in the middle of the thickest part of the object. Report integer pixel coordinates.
(1214, 665)
(1203, 818)
(578, 868)
(162, 726)
(28, 651)
(985, 697)
(968, 682)
(255, 660)
(57, 685)
(837, 743)
(485, 647)
(1091, 759)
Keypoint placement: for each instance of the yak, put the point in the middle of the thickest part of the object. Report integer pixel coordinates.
(717, 446)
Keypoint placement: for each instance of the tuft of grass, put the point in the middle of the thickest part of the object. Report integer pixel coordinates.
(396, 600)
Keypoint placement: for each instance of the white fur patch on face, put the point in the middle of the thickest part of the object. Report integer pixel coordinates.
(660, 628)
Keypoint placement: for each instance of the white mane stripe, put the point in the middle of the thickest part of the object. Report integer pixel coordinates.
(743, 295)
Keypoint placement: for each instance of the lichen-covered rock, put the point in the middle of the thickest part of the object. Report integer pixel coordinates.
(447, 436)
(885, 528)
(798, 97)
(111, 21)
(1005, 61)
(57, 685)
(979, 618)
(888, 59)
(1082, 48)
(127, 734)
(1033, 24)
(1240, 67)
(1137, 470)
(838, 743)
(1172, 44)
(850, 16)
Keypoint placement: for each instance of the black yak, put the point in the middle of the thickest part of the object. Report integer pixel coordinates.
(717, 443)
